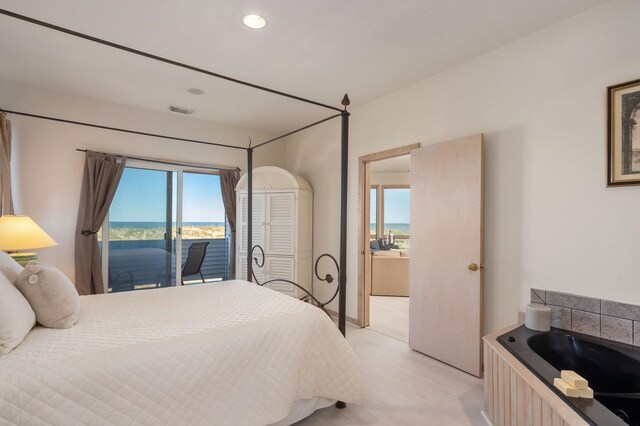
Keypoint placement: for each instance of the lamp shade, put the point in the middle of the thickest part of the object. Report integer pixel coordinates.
(21, 233)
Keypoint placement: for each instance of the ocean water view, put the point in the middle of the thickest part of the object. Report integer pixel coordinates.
(149, 225)
(120, 230)
(396, 228)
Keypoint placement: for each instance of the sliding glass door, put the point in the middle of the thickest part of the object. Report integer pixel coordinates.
(166, 227)
(141, 231)
(203, 228)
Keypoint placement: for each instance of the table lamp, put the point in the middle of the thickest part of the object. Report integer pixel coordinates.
(19, 233)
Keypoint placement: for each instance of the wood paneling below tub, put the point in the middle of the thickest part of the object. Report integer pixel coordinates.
(514, 396)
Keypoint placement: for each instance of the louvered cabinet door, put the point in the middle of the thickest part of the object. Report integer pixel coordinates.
(280, 268)
(280, 224)
(258, 236)
(241, 271)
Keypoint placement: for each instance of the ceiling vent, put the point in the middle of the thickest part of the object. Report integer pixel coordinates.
(180, 110)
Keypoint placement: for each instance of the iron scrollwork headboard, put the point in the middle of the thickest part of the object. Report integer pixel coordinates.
(328, 278)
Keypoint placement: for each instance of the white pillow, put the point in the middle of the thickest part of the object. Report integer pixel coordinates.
(51, 294)
(9, 267)
(16, 316)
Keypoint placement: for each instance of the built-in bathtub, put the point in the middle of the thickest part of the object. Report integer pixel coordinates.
(612, 369)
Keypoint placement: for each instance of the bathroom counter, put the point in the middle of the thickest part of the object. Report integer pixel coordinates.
(513, 395)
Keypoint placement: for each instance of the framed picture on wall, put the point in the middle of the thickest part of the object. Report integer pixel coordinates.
(623, 107)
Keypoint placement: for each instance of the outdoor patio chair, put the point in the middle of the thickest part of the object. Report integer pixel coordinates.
(193, 264)
(118, 284)
(195, 258)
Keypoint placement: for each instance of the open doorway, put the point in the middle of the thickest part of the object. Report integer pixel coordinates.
(445, 248)
(390, 241)
(386, 242)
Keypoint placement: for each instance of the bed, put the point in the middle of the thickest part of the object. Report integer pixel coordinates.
(229, 353)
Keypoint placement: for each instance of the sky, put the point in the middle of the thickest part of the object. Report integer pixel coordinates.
(396, 205)
(141, 197)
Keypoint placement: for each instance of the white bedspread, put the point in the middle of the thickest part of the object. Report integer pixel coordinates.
(228, 353)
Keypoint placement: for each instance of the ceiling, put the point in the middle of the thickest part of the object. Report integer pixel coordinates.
(314, 49)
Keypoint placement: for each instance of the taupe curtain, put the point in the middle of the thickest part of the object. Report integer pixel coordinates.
(102, 173)
(228, 181)
(6, 202)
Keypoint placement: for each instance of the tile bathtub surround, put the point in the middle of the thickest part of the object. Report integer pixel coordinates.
(607, 319)
(621, 310)
(585, 323)
(538, 296)
(581, 303)
(560, 317)
(618, 329)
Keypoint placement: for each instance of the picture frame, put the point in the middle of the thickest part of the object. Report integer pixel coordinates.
(623, 134)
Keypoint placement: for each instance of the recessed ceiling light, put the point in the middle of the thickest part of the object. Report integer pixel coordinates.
(196, 91)
(254, 21)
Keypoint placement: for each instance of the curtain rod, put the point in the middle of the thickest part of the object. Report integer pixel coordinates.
(297, 130)
(174, 163)
(159, 58)
(135, 132)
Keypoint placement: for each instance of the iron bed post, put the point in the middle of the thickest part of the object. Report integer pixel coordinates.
(342, 279)
(249, 213)
(344, 177)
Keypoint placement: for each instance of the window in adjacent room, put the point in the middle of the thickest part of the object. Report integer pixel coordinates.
(395, 215)
(373, 210)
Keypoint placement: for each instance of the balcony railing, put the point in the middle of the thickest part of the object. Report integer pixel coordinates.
(139, 264)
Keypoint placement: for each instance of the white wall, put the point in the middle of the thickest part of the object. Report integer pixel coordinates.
(47, 169)
(550, 221)
(390, 178)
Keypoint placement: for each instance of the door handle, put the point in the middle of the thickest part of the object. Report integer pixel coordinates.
(473, 267)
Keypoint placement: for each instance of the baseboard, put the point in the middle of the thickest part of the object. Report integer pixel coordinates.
(350, 320)
(485, 417)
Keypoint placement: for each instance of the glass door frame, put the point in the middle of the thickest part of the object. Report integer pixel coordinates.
(179, 170)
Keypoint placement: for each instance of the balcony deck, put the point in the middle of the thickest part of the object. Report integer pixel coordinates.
(140, 264)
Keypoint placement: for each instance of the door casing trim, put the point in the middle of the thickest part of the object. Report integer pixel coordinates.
(364, 183)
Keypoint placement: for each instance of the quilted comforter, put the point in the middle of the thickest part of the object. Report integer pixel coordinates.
(229, 353)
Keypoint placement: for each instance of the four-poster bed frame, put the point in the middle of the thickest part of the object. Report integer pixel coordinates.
(341, 112)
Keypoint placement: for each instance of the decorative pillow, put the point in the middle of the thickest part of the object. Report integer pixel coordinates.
(16, 316)
(9, 267)
(51, 294)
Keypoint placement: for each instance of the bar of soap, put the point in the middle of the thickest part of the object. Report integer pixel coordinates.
(586, 393)
(566, 388)
(574, 379)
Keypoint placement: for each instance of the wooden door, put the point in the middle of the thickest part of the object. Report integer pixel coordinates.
(445, 314)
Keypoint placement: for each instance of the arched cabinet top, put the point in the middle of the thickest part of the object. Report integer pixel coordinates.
(271, 177)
